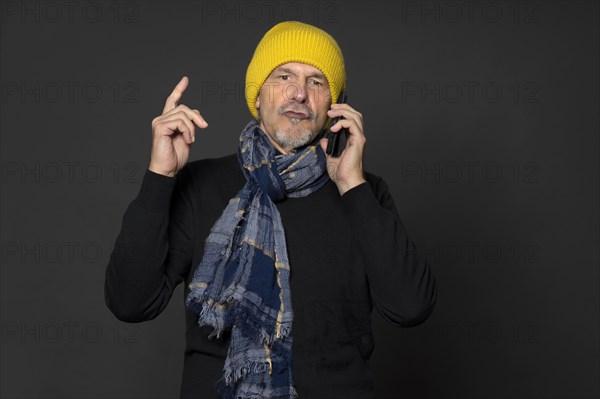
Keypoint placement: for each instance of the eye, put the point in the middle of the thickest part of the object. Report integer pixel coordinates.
(317, 83)
(284, 76)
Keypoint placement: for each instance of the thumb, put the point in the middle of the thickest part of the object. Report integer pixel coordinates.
(323, 144)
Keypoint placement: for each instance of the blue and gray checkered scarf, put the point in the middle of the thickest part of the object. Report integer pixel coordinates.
(242, 282)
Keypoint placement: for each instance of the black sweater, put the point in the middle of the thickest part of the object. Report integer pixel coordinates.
(346, 253)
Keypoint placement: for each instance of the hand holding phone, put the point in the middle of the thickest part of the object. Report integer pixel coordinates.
(337, 141)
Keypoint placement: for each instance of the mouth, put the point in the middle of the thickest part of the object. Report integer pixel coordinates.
(295, 115)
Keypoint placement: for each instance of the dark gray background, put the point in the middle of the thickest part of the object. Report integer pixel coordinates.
(498, 185)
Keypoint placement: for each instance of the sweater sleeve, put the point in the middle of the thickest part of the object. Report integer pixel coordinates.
(400, 280)
(152, 252)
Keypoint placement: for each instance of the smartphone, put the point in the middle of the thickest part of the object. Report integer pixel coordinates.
(337, 141)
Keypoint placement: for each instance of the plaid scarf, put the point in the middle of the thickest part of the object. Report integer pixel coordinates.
(242, 282)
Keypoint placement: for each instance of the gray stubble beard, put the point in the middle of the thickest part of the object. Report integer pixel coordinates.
(285, 140)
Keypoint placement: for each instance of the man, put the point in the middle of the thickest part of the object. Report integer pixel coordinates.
(284, 250)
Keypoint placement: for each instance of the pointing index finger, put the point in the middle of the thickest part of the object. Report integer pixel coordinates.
(176, 94)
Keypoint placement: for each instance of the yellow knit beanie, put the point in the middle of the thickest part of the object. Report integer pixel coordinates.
(294, 41)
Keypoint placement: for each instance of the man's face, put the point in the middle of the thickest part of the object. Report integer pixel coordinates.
(292, 105)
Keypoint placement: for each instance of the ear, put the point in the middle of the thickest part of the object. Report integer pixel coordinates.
(257, 103)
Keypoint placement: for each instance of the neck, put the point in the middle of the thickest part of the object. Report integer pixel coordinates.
(277, 147)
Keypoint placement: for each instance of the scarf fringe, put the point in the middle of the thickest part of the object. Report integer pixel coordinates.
(253, 327)
(244, 317)
(228, 392)
(233, 374)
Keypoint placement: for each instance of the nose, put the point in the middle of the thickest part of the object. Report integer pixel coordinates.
(298, 91)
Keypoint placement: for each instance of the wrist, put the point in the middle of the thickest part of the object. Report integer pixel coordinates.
(153, 168)
(345, 186)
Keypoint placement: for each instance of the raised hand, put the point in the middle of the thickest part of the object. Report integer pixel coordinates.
(347, 170)
(173, 133)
